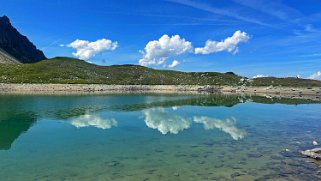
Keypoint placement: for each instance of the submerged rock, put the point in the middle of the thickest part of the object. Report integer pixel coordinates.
(236, 174)
(254, 155)
(276, 157)
(313, 153)
(289, 154)
(113, 163)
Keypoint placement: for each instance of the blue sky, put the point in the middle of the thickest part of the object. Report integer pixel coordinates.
(283, 38)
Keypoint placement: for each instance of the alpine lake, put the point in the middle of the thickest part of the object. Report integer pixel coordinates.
(147, 137)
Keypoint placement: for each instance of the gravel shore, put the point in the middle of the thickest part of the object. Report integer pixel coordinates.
(99, 88)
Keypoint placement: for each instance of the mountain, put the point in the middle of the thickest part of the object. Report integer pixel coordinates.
(17, 45)
(74, 71)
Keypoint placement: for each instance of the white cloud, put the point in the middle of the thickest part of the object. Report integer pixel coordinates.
(227, 126)
(175, 108)
(259, 76)
(174, 64)
(85, 49)
(158, 51)
(230, 44)
(165, 122)
(315, 76)
(88, 120)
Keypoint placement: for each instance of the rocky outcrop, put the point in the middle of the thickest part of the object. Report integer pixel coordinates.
(17, 45)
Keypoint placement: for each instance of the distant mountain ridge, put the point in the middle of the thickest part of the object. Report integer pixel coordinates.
(16, 46)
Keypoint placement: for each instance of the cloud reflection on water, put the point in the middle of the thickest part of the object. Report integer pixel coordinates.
(169, 122)
(89, 120)
(227, 126)
(165, 122)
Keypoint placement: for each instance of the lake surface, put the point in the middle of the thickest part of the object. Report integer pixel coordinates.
(157, 137)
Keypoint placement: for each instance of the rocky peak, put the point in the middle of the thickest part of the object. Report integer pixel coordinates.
(4, 20)
(17, 45)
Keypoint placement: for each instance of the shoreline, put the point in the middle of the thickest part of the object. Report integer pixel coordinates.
(104, 89)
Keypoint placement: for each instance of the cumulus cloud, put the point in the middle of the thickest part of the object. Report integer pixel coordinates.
(173, 64)
(165, 122)
(158, 51)
(230, 44)
(259, 76)
(88, 120)
(227, 126)
(315, 76)
(85, 49)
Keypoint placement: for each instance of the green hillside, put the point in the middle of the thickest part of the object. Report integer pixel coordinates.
(289, 81)
(74, 71)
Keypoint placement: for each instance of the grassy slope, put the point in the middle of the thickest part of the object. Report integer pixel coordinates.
(68, 70)
(74, 71)
(289, 82)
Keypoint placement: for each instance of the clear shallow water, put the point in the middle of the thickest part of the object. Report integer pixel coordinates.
(150, 137)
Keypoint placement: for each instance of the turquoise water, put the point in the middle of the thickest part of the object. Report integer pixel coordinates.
(157, 137)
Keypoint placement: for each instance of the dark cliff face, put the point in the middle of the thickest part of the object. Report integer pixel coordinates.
(16, 44)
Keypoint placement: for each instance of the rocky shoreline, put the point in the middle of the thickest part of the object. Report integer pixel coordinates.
(100, 88)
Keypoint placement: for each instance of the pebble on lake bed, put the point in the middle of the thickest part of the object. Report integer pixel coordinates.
(176, 174)
(315, 143)
(236, 174)
(113, 163)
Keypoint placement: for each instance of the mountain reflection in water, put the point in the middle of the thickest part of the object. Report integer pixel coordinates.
(12, 125)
